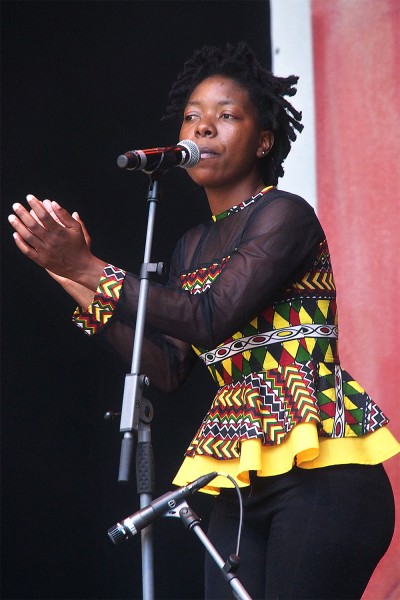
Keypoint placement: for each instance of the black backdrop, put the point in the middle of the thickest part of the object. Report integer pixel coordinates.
(81, 83)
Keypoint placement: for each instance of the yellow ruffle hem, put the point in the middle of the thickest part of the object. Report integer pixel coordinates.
(302, 447)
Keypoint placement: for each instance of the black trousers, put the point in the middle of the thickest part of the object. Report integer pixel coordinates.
(308, 534)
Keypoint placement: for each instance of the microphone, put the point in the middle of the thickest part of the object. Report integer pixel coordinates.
(185, 154)
(142, 518)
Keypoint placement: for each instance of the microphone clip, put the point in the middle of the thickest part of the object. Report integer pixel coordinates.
(146, 268)
(232, 564)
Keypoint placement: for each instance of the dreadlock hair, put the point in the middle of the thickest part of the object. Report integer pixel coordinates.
(266, 92)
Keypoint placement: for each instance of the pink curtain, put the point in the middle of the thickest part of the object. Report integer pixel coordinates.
(357, 94)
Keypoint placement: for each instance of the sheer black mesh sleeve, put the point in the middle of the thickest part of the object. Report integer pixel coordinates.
(270, 244)
(165, 360)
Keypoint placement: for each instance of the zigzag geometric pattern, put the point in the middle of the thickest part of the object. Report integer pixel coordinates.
(242, 205)
(320, 279)
(345, 408)
(105, 300)
(262, 406)
(295, 331)
(267, 406)
(300, 325)
(281, 369)
(200, 280)
(241, 345)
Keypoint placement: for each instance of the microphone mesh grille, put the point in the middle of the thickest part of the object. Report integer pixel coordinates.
(193, 153)
(117, 534)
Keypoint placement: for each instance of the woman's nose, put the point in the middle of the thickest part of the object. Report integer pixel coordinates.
(205, 129)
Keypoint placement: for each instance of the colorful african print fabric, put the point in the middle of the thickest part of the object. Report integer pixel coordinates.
(238, 207)
(281, 369)
(104, 303)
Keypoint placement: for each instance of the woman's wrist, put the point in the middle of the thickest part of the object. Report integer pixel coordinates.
(90, 276)
(82, 295)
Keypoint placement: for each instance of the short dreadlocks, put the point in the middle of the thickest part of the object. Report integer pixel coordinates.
(266, 91)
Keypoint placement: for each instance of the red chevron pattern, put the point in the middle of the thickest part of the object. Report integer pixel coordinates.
(105, 300)
(345, 408)
(262, 406)
(199, 281)
(319, 280)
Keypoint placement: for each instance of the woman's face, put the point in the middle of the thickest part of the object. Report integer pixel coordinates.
(220, 118)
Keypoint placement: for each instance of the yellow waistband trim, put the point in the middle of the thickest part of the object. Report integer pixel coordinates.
(302, 447)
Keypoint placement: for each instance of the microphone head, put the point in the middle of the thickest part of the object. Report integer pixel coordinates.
(122, 161)
(117, 534)
(193, 153)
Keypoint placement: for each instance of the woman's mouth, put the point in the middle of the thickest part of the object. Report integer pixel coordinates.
(207, 153)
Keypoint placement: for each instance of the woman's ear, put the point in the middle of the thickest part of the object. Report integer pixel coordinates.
(267, 141)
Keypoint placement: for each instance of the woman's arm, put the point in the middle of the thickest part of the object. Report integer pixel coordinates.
(282, 238)
(60, 243)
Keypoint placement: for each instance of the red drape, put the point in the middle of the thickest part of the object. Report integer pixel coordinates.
(357, 94)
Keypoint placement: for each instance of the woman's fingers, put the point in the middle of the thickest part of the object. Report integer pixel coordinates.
(28, 229)
(29, 250)
(49, 207)
(23, 215)
(35, 222)
(52, 238)
(41, 220)
(63, 217)
(34, 215)
(85, 231)
(46, 212)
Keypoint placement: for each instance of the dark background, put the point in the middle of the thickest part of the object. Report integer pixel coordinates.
(83, 82)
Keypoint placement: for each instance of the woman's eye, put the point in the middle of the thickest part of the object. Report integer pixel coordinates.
(228, 116)
(189, 117)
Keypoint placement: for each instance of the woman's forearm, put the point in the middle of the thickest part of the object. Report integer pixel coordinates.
(81, 294)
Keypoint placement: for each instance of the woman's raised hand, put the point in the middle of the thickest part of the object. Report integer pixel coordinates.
(52, 238)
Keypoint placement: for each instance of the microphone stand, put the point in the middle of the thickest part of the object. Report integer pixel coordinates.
(227, 569)
(137, 412)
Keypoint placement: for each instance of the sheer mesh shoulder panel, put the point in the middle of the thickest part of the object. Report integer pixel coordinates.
(269, 244)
